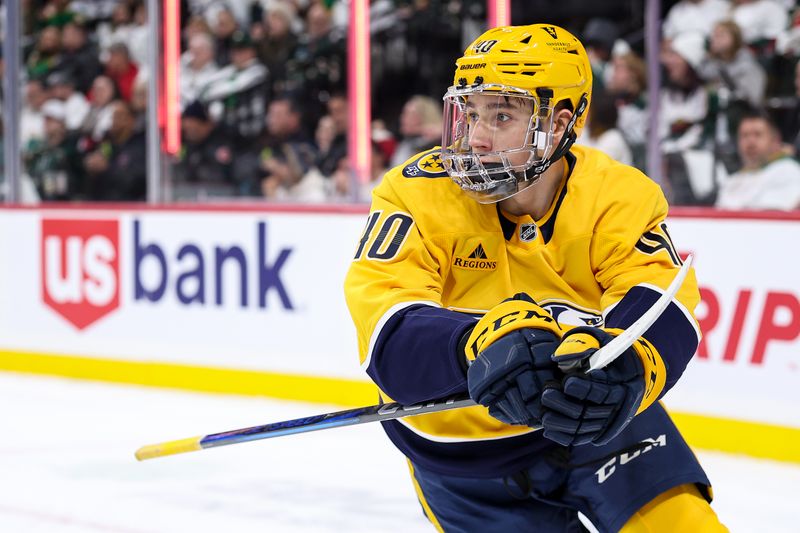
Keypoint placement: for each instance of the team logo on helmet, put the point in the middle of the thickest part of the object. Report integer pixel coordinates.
(483, 47)
(551, 30)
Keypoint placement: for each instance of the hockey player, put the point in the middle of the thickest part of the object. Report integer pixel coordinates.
(535, 253)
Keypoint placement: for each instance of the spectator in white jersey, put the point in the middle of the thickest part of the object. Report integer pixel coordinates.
(197, 67)
(420, 128)
(769, 178)
(237, 94)
(694, 16)
(760, 20)
(732, 66)
(602, 132)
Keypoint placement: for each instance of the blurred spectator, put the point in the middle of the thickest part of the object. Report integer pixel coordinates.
(139, 35)
(687, 124)
(769, 179)
(31, 126)
(284, 123)
(602, 132)
(694, 16)
(117, 170)
(760, 20)
(332, 135)
(46, 54)
(343, 180)
(139, 99)
(206, 157)
(78, 57)
(98, 120)
(276, 42)
(324, 135)
(433, 34)
(684, 100)
(788, 42)
(237, 94)
(738, 80)
(93, 11)
(121, 69)
(197, 67)
(627, 85)
(117, 30)
(224, 27)
(317, 66)
(599, 37)
(420, 128)
(789, 111)
(731, 66)
(288, 177)
(54, 13)
(62, 87)
(55, 165)
(384, 139)
(196, 25)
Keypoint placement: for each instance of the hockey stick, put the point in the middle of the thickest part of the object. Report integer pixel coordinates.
(391, 411)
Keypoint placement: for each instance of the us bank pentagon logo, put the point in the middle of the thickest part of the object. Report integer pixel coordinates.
(476, 260)
(79, 268)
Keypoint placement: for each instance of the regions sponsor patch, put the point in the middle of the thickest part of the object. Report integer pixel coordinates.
(476, 260)
(429, 165)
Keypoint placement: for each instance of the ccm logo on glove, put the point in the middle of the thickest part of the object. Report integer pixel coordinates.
(510, 315)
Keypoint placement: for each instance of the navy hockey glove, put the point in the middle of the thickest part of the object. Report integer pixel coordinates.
(509, 355)
(596, 407)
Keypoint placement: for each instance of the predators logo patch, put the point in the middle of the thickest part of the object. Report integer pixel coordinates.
(429, 165)
(476, 260)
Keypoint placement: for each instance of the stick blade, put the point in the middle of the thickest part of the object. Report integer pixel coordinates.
(161, 449)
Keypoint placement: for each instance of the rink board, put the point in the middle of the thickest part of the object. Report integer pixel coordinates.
(249, 300)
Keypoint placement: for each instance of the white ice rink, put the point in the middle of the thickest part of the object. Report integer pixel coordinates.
(67, 466)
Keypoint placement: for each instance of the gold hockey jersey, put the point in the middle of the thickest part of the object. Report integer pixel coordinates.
(431, 259)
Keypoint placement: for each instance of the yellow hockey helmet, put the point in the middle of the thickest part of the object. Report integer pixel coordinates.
(498, 131)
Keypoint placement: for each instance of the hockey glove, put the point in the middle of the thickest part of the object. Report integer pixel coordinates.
(509, 355)
(596, 406)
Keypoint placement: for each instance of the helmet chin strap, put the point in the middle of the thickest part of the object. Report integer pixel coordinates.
(567, 140)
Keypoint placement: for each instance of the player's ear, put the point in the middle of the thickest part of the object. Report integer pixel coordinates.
(561, 119)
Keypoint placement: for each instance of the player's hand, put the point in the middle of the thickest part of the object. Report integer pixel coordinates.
(509, 353)
(596, 407)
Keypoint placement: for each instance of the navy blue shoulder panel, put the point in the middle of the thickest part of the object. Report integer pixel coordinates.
(426, 165)
(415, 356)
(672, 334)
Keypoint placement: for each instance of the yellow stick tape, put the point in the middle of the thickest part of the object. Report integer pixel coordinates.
(161, 449)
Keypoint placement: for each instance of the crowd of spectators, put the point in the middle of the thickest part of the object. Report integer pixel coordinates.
(264, 112)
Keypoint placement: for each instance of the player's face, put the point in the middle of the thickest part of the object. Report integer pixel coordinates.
(496, 123)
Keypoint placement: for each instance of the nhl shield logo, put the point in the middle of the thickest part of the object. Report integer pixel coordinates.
(527, 232)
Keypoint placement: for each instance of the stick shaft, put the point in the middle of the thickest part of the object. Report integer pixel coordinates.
(350, 417)
(605, 355)
(391, 411)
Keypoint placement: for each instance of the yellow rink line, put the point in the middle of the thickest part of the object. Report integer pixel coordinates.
(709, 433)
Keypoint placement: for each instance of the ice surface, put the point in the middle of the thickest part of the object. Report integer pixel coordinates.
(67, 466)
